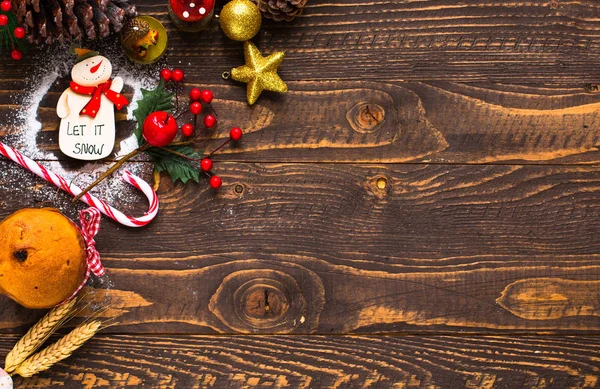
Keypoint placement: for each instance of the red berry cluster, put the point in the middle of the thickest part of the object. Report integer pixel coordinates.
(18, 32)
(160, 128)
(175, 75)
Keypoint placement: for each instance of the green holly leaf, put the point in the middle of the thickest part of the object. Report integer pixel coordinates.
(157, 99)
(179, 168)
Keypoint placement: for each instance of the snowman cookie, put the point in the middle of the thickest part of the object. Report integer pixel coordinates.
(87, 128)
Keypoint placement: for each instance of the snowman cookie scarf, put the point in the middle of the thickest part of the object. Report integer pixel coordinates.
(87, 127)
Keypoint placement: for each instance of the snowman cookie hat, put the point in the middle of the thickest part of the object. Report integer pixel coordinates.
(82, 54)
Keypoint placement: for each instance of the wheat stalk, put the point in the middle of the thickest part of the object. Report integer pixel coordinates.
(59, 350)
(37, 335)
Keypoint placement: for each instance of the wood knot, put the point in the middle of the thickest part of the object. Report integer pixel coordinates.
(378, 186)
(267, 301)
(365, 117)
(238, 189)
(551, 298)
(263, 303)
(593, 88)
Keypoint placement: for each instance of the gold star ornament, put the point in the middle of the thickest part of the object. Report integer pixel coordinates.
(260, 73)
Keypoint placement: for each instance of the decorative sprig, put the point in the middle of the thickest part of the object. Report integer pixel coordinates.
(11, 34)
(60, 350)
(180, 159)
(38, 334)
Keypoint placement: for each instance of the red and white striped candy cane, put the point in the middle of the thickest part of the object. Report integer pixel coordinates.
(90, 200)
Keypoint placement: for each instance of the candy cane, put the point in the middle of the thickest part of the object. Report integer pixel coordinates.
(90, 200)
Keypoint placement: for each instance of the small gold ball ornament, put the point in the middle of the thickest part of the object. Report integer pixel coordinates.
(240, 20)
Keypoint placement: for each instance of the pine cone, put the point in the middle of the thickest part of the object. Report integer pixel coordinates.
(279, 10)
(49, 21)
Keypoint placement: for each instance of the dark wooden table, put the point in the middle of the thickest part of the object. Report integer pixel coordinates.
(420, 210)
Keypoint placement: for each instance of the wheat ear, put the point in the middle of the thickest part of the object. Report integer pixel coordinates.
(58, 351)
(38, 334)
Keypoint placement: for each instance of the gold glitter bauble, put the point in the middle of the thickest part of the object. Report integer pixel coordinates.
(260, 73)
(240, 20)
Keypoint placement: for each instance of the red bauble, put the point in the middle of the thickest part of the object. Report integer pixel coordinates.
(16, 55)
(196, 108)
(206, 96)
(210, 121)
(235, 133)
(195, 94)
(160, 128)
(3, 20)
(187, 130)
(166, 74)
(6, 6)
(216, 182)
(19, 33)
(206, 164)
(178, 75)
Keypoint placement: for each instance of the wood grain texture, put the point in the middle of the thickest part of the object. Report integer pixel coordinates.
(536, 42)
(343, 248)
(385, 123)
(432, 174)
(326, 362)
(450, 82)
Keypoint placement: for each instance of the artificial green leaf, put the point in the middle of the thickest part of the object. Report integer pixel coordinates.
(157, 99)
(177, 167)
(7, 36)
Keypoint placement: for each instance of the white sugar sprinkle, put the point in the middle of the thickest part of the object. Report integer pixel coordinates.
(53, 68)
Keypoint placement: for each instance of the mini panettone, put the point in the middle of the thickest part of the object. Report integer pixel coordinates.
(42, 257)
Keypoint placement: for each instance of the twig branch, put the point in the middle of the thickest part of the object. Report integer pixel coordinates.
(111, 170)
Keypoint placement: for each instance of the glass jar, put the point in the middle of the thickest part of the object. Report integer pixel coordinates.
(191, 15)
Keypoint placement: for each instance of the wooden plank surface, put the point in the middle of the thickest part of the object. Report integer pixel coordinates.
(326, 362)
(445, 247)
(432, 174)
(385, 123)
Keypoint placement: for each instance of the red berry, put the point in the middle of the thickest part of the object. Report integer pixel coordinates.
(206, 164)
(3, 20)
(216, 182)
(187, 130)
(206, 96)
(210, 121)
(6, 6)
(166, 74)
(16, 55)
(178, 75)
(195, 94)
(196, 108)
(159, 128)
(19, 33)
(235, 133)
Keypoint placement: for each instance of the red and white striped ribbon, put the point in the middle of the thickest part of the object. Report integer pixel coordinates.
(90, 225)
(90, 200)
